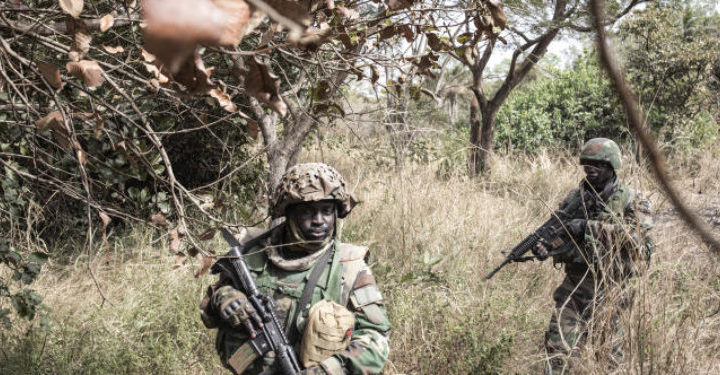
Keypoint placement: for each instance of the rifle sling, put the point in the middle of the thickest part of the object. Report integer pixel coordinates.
(317, 270)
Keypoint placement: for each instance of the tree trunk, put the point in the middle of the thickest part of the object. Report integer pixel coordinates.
(482, 137)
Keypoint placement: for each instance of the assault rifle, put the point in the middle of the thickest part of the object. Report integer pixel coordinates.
(552, 234)
(270, 336)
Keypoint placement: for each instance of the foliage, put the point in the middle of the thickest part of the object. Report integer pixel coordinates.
(561, 109)
(671, 49)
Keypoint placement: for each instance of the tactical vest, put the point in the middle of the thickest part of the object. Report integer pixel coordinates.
(342, 275)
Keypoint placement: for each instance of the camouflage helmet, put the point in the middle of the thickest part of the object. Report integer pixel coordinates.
(601, 149)
(311, 182)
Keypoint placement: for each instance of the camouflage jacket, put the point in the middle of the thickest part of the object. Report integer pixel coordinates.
(616, 243)
(346, 280)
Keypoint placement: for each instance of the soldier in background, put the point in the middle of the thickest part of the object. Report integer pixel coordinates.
(610, 229)
(342, 326)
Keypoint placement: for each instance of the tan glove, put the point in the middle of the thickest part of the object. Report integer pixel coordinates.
(235, 309)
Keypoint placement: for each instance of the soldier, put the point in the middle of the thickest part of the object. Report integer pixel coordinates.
(343, 327)
(610, 229)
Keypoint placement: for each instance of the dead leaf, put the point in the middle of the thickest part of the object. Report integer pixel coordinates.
(194, 76)
(223, 99)
(348, 13)
(51, 73)
(174, 241)
(179, 260)
(438, 44)
(158, 219)
(152, 69)
(81, 155)
(205, 263)
(105, 222)
(87, 70)
(112, 50)
(375, 74)
(238, 13)
(106, 22)
(207, 235)
(72, 7)
(105, 219)
(193, 251)
(314, 37)
(262, 84)
(398, 4)
(147, 56)
(81, 38)
(54, 121)
(176, 27)
(253, 129)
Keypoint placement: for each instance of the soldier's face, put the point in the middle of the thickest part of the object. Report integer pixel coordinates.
(597, 173)
(315, 220)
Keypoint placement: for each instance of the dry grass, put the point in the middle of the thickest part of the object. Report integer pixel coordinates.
(432, 242)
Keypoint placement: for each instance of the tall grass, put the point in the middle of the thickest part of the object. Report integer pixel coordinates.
(432, 241)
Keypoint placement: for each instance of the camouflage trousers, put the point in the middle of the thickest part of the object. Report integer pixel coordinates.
(576, 303)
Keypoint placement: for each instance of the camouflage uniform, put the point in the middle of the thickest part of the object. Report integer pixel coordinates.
(615, 248)
(346, 280)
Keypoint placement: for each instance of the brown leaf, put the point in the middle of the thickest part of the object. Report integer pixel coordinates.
(174, 241)
(498, 16)
(81, 38)
(253, 129)
(112, 50)
(194, 76)
(205, 263)
(105, 219)
(147, 56)
(223, 99)
(81, 154)
(152, 69)
(437, 44)
(238, 13)
(262, 84)
(158, 219)
(54, 121)
(179, 260)
(399, 4)
(72, 7)
(407, 33)
(87, 70)
(51, 73)
(207, 235)
(375, 74)
(348, 13)
(193, 251)
(176, 27)
(106, 22)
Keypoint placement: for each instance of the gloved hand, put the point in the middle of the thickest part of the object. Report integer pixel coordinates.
(576, 227)
(540, 251)
(235, 309)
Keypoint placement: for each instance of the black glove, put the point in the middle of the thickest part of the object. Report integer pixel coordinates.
(540, 251)
(576, 227)
(234, 308)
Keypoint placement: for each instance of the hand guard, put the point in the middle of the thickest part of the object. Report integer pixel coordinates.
(235, 309)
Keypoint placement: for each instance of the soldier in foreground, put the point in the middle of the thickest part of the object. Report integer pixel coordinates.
(324, 294)
(608, 223)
